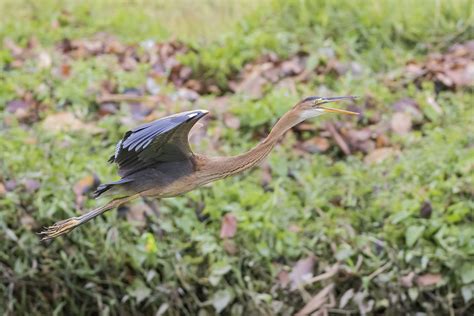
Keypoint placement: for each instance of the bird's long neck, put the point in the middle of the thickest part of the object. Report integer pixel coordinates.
(221, 167)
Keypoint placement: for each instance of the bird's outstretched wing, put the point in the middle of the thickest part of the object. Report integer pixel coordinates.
(163, 140)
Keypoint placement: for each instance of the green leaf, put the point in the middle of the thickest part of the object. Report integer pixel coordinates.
(413, 233)
(139, 291)
(467, 273)
(400, 216)
(467, 292)
(221, 299)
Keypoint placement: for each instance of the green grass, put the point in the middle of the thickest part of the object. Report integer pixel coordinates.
(363, 216)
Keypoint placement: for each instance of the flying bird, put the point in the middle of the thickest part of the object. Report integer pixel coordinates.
(155, 159)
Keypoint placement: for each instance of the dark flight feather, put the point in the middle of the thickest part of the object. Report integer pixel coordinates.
(163, 140)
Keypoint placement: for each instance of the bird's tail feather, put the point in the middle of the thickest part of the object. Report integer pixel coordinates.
(101, 189)
(106, 187)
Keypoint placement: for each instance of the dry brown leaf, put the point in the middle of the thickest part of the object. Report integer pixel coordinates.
(339, 139)
(3, 190)
(452, 69)
(231, 121)
(361, 139)
(407, 280)
(409, 106)
(252, 84)
(331, 271)
(228, 226)
(302, 271)
(283, 278)
(379, 155)
(83, 186)
(23, 110)
(401, 123)
(428, 279)
(27, 221)
(293, 66)
(316, 145)
(10, 185)
(31, 185)
(65, 121)
(436, 107)
(137, 213)
(294, 228)
(345, 298)
(382, 141)
(230, 247)
(317, 301)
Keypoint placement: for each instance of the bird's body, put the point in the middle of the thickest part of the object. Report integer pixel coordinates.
(155, 159)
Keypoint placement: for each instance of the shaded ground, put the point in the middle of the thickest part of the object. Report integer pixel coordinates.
(357, 216)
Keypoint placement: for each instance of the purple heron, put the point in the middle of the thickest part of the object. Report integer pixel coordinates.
(155, 159)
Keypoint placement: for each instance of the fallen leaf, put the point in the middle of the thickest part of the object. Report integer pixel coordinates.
(31, 185)
(65, 70)
(228, 226)
(65, 121)
(283, 278)
(410, 107)
(436, 107)
(188, 94)
(15, 105)
(379, 155)
(23, 109)
(316, 145)
(345, 298)
(364, 306)
(401, 123)
(221, 299)
(107, 109)
(339, 139)
(136, 213)
(451, 70)
(317, 301)
(360, 135)
(361, 139)
(44, 60)
(294, 228)
(27, 221)
(292, 67)
(84, 186)
(162, 310)
(10, 185)
(253, 82)
(3, 190)
(428, 279)
(407, 280)
(140, 291)
(302, 271)
(230, 247)
(231, 121)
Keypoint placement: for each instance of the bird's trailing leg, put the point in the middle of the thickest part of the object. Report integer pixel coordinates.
(65, 226)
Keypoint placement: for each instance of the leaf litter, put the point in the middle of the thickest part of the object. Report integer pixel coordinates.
(451, 70)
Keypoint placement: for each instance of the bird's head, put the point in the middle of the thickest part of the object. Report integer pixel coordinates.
(315, 106)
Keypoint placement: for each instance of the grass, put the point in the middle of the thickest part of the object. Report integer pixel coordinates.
(366, 217)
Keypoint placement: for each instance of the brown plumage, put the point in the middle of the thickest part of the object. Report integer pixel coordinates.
(155, 159)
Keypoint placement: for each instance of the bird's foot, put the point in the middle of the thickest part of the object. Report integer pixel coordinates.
(60, 228)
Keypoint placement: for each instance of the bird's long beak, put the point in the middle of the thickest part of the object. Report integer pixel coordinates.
(337, 99)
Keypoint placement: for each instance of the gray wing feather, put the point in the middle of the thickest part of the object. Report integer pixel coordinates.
(163, 140)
